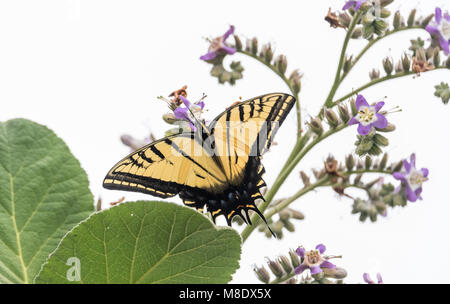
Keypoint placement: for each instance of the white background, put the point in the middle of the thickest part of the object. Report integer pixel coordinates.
(91, 71)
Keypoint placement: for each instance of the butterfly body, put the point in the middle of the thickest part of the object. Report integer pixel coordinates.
(216, 167)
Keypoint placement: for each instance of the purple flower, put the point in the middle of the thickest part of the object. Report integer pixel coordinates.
(412, 179)
(441, 29)
(190, 113)
(368, 280)
(355, 4)
(218, 46)
(313, 260)
(368, 116)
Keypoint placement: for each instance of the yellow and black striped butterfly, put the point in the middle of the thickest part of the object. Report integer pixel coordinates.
(217, 167)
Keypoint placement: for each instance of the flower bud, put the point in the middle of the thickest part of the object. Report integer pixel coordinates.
(170, 118)
(335, 273)
(368, 162)
(411, 18)
(385, 3)
(347, 64)
(281, 64)
(447, 62)
(420, 55)
(389, 128)
(398, 166)
(275, 267)
(436, 57)
(406, 63)
(353, 106)
(316, 126)
(357, 179)
(427, 20)
(305, 179)
(237, 43)
(399, 67)
(367, 31)
(295, 80)
(332, 118)
(297, 215)
(349, 162)
(383, 161)
(388, 66)
(254, 46)
(374, 74)
(375, 150)
(285, 263)
(343, 112)
(397, 20)
(266, 53)
(357, 33)
(291, 281)
(380, 26)
(262, 274)
(344, 19)
(295, 259)
(385, 13)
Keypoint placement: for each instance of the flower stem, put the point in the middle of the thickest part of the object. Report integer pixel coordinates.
(373, 42)
(337, 78)
(379, 80)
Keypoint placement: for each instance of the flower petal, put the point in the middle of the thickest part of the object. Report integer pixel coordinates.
(228, 33)
(399, 176)
(438, 15)
(353, 121)
(361, 101)
(367, 278)
(379, 278)
(411, 195)
(424, 172)
(301, 251)
(444, 44)
(432, 30)
(181, 113)
(364, 130)
(186, 102)
(300, 269)
(315, 270)
(228, 50)
(406, 166)
(412, 158)
(381, 122)
(358, 4)
(209, 56)
(321, 248)
(348, 4)
(379, 105)
(328, 265)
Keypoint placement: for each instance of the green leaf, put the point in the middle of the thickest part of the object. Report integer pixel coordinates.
(43, 194)
(145, 242)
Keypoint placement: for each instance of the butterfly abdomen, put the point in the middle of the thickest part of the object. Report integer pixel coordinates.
(232, 200)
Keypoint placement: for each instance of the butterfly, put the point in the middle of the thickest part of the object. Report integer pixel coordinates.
(217, 166)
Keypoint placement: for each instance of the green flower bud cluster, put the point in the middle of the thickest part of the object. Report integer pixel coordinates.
(442, 91)
(282, 270)
(372, 143)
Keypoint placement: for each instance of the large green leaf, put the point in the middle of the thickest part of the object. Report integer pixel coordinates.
(145, 242)
(43, 194)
